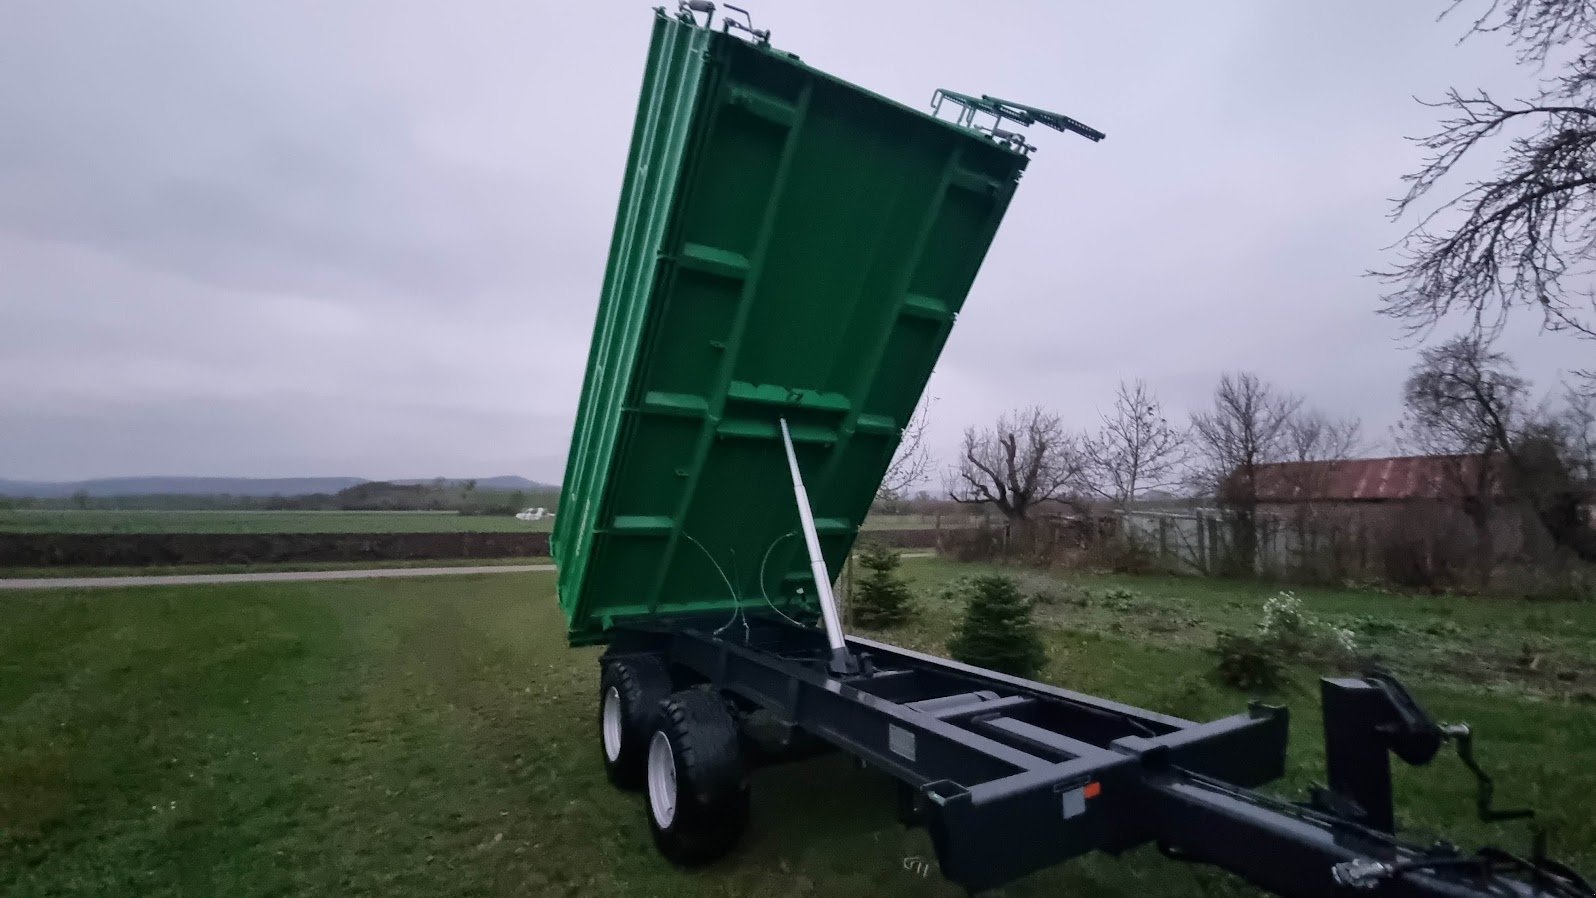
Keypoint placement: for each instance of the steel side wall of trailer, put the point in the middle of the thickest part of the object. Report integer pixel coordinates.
(788, 245)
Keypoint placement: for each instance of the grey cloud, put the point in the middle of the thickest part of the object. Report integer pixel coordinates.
(368, 238)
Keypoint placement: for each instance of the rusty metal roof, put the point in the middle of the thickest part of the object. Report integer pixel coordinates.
(1371, 479)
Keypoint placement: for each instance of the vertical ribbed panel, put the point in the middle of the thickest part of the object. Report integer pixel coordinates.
(788, 245)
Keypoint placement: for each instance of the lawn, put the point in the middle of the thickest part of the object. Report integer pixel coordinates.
(1545, 649)
(435, 737)
(162, 570)
(74, 521)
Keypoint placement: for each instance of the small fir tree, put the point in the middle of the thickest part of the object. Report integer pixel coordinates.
(881, 598)
(998, 632)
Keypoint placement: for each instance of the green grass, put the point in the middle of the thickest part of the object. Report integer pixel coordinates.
(73, 521)
(435, 737)
(1520, 646)
(162, 570)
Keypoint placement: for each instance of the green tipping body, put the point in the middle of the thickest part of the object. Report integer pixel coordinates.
(787, 245)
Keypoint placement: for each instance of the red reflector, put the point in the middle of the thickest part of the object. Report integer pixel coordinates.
(1093, 789)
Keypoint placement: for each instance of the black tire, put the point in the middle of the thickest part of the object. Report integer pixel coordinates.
(696, 737)
(637, 685)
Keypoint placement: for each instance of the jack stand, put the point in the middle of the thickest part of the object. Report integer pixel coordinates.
(1366, 720)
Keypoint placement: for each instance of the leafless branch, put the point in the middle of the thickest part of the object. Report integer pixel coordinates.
(1534, 27)
(1579, 421)
(912, 461)
(1462, 399)
(1523, 236)
(1136, 449)
(1320, 445)
(1246, 428)
(1026, 458)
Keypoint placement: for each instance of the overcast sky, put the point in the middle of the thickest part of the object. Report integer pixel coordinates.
(367, 239)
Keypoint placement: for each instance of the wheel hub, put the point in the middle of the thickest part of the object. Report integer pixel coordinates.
(662, 781)
(610, 724)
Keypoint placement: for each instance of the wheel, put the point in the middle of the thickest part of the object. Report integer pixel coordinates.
(697, 785)
(630, 692)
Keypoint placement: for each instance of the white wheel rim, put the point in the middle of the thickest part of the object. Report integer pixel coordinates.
(610, 724)
(661, 781)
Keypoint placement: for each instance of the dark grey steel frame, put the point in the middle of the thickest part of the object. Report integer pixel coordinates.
(999, 768)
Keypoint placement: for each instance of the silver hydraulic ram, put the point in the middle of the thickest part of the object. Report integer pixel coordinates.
(842, 661)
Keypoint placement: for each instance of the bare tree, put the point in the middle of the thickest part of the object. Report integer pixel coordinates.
(1026, 458)
(1246, 429)
(1547, 476)
(912, 460)
(1136, 449)
(1579, 417)
(1461, 404)
(1312, 436)
(1320, 446)
(1524, 235)
(1462, 397)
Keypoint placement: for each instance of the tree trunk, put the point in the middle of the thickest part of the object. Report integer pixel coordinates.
(1244, 539)
(1484, 544)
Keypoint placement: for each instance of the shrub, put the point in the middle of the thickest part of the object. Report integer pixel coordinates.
(1118, 598)
(881, 598)
(1371, 625)
(1126, 555)
(984, 543)
(1557, 583)
(1427, 548)
(1443, 628)
(1286, 633)
(1300, 633)
(1251, 663)
(998, 631)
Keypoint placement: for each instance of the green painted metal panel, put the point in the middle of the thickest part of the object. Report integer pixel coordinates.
(787, 245)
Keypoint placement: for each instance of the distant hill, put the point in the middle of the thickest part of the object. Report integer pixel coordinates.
(225, 486)
(505, 482)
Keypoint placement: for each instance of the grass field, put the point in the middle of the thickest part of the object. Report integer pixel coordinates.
(74, 521)
(161, 570)
(40, 521)
(436, 738)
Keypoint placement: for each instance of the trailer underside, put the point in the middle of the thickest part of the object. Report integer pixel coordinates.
(1011, 776)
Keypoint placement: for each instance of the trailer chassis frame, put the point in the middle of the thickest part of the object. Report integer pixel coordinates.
(1011, 776)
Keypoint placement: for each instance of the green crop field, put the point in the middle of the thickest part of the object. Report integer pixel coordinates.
(166, 570)
(73, 521)
(435, 737)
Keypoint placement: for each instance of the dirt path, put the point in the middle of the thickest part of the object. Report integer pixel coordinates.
(273, 577)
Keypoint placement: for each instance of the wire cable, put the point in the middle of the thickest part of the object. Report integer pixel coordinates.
(737, 606)
(762, 562)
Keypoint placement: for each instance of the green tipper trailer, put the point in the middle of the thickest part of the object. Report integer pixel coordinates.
(788, 245)
(789, 255)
